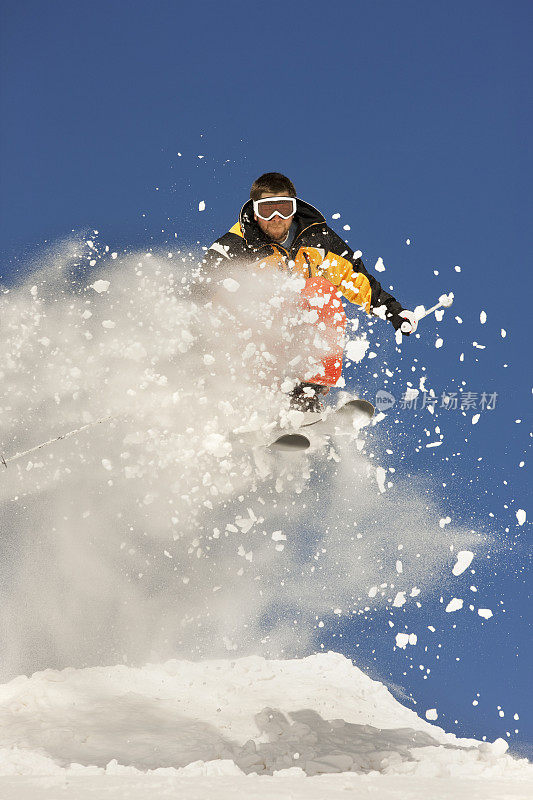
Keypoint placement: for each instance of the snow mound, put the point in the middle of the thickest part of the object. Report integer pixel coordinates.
(304, 717)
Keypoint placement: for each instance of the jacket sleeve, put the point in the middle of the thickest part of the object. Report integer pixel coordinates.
(358, 285)
(229, 246)
(216, 258)
(219, 252)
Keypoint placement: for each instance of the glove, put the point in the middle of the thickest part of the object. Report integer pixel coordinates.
(411, 323)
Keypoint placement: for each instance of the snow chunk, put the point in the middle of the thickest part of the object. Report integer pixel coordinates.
(356, 349)
(521, 516)
(380, 478)
(379, 266)
(216, 444)
(475, 419)
(486, 613)
(483, 317)
(290, 772)
(495, 749)
(399, 600)
(100, 286)
(403, 639)
(201, 205)
(295, 418)
(455, 604)
(464, 559)
(310, 316)
(135, 351)
(231, 285)
(431, 714)
(439, 343)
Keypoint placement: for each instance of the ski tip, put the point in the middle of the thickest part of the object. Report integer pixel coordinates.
(291, 442)
(364, 406)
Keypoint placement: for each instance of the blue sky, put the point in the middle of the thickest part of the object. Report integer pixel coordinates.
(411, 119)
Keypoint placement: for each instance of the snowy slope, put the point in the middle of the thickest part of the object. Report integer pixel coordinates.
(244, 728)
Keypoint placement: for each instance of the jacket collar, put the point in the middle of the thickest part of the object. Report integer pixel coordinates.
(254, 237)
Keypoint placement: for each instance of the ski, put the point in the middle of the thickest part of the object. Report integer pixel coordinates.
(350, 416)
(290, 443)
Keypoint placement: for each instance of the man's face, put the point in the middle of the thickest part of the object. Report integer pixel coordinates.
(276, 228)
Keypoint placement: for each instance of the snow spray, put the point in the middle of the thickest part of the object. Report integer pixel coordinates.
(158, 533)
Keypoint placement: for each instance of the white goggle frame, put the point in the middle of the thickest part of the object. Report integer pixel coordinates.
(272, 200)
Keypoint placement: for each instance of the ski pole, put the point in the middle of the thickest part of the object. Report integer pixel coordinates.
(445, 301)
(6, 461)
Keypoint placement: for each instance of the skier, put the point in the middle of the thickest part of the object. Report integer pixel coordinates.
(278, 229)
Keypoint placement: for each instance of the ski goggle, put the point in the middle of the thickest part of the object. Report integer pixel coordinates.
(267, 208)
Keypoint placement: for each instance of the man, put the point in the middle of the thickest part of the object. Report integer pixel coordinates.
(277, 229)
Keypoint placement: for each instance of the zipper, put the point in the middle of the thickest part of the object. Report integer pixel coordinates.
(303, 231)
(290, 253)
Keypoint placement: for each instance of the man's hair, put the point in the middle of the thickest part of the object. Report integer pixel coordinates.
(272, 182)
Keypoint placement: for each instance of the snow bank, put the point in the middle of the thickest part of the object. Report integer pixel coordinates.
(318, 715)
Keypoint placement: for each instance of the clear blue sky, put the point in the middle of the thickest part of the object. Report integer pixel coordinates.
(413, 119)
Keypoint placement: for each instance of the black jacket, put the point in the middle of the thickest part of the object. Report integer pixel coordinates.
(316, 250)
